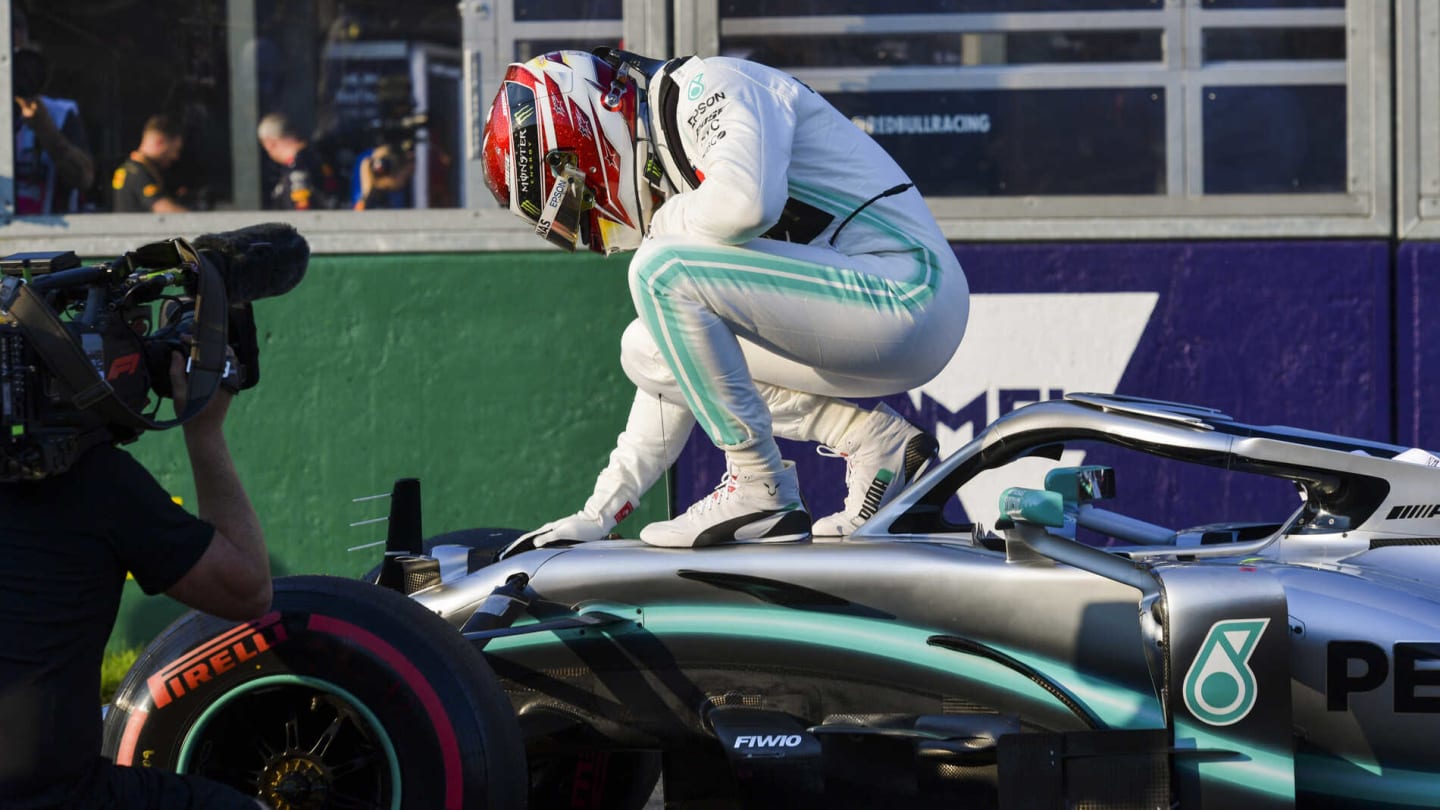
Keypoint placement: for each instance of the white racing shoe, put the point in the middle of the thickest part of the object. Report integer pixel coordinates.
(744, 508)
(882, 456)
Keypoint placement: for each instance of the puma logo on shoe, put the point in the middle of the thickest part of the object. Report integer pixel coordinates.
(790, 523)
(745, 508)
(882, 456)
(876, 492)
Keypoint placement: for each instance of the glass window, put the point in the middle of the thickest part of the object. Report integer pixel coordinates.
(381, 107)
(542, 26)
(538, 10)
(100, 73)
(1258, 4)
(1044, 99)
(527, 48)
(1053, 99)
(804, 8)
(1020, 142)
(170, 98)
(1268, 140)
(956, 48)
(1252, 44)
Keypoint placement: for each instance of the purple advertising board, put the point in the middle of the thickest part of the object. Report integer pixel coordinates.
(1293, 333)
(1417, 344)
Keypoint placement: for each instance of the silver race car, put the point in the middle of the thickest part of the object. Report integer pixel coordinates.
(1074, 653)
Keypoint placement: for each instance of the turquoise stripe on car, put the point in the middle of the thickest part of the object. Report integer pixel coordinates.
(1116, 705)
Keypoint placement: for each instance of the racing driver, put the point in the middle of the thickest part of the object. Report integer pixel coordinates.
(782, 262)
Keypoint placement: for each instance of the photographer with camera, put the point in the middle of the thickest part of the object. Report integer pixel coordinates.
(382, 178)
(53, 165)
(77, 519)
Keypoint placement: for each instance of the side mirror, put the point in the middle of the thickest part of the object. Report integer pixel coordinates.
(1077, 485)
(1033, 506)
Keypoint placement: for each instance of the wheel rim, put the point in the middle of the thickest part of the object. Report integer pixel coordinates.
(297, 743)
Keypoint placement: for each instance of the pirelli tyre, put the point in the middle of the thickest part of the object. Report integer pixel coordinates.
(344, 695)
(595, 778)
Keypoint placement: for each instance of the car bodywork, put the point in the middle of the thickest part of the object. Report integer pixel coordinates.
(1248, 664)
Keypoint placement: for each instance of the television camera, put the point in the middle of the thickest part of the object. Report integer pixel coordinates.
(84, 347)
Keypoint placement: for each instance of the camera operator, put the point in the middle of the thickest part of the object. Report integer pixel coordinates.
(52, 156)
(66, 543)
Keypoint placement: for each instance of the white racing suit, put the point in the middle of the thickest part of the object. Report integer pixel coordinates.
(796, 264)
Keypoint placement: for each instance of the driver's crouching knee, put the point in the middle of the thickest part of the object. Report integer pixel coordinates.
(643, 363)
(653, 267)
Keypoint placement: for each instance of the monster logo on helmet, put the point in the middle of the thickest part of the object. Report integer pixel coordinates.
(566, 149)
(525, 157)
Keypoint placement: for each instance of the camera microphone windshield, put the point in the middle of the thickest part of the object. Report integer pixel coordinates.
(257, 262)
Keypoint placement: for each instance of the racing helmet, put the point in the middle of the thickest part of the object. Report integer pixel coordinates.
(566, 149)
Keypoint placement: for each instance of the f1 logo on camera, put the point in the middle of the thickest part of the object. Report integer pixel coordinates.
(123, 365)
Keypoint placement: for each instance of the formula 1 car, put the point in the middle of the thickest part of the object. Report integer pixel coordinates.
(1070, 655)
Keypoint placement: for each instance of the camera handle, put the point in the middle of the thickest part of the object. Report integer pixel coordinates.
(52, 341)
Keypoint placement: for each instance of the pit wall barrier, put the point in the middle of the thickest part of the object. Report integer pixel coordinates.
(495, 378)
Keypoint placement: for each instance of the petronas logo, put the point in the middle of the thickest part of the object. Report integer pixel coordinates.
(1220, 686)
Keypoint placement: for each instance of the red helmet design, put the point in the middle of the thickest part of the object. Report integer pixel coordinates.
(560, 151)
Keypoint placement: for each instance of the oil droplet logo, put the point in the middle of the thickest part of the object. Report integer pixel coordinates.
(1220, 687)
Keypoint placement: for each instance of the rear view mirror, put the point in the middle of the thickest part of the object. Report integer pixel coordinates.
(1077, 485)
(1033, 506)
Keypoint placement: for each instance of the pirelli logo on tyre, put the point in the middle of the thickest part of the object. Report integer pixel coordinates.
(213, 658)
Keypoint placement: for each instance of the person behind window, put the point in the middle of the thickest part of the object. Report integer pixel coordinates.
(306, 182)
(139, 184)
(66, 543)
(782, 261)
(382, 178)
(53, 166)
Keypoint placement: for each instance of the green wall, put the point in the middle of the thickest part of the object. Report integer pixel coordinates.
(493, 378)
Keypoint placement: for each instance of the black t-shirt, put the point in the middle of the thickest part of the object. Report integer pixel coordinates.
(308, 183)
(66, 544)
(137, 185)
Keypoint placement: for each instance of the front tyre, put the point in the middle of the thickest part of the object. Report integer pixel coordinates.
(344, 696)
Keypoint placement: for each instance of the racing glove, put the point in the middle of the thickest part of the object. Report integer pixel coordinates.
(654, 435)
(583, 526)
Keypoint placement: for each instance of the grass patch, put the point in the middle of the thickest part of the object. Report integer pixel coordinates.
(113, 669)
